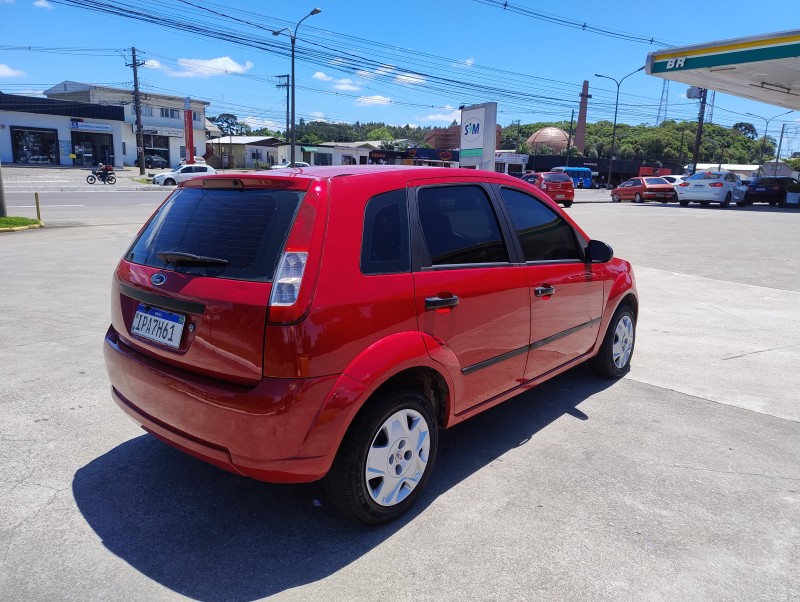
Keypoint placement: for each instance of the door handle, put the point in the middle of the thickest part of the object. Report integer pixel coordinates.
(440, 302)
(544, 291)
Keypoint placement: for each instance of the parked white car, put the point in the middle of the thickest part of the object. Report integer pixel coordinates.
(285, 165)
(675, 180)
(706, 187)
(171, 178)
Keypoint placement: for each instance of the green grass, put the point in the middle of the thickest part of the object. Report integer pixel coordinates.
(16, 222)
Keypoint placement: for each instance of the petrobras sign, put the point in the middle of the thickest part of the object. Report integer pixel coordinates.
(88, 126)
(478, 136)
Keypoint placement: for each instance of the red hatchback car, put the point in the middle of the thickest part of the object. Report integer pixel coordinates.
(557, 185)
(328, 322)
(643, 189)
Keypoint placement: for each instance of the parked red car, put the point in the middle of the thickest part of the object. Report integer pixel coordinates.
(327, 322)
(557, 185)
(646, 188)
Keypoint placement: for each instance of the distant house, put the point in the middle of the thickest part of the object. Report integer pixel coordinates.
(243, 152)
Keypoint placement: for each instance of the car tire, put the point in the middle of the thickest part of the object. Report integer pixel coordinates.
(389, 449)
(684, 203)
(637, 198)
(727, 202)
(614, 358)
(741, 203)
(773, 203)
(615, 198)
(567, 204)
(169, 182)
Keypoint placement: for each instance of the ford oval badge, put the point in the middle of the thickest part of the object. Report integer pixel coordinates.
(158, 279)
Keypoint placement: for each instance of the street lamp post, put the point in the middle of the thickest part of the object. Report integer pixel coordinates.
(764, 138)
(293, 38)
(614, 129)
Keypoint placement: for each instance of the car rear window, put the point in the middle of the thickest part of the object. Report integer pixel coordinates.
(705, 175)
(656, 181)
(243, 230)
(557, 177)
(769, 181)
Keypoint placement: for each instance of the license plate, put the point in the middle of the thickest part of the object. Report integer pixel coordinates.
(760, 189)
(158, 325)
(559, 196)
(662, 194)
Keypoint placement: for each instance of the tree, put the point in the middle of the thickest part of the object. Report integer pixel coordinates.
(380, 133)
(228, 123)
(747, 130)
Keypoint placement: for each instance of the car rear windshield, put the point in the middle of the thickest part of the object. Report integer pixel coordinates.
(557, 177)
(655, 181)
(773, 181)
(236, 234)
(705, 175)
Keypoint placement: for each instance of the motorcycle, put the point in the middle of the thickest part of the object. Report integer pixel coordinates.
(105, 176)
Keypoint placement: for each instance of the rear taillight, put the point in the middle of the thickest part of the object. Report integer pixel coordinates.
(288, 278)
(684, 184)
(716, 184)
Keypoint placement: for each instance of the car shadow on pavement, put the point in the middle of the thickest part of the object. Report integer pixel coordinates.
(211, 535)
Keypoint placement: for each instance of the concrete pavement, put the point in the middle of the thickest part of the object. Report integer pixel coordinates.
(679, 481)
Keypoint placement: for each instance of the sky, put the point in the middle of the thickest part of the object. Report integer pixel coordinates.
(380, 61)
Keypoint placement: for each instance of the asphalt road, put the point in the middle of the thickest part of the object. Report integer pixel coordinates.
(679, 481)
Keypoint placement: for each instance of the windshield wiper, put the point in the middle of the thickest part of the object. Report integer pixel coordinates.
(180, 257)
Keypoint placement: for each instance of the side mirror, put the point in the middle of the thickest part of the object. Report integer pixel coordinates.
(598, 252)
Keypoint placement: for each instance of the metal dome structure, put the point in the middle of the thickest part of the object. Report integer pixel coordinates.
(553, 137)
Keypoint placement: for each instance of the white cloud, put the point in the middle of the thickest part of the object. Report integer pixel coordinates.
(453, 114)
(6, 71)
(201, 67)
(382, 70)
(409, 79)
(323, 77)
(366, 101)
(318, 115)
(29, 92)
(346, 84)
(43, 4)
(465, 64)
(259, 122)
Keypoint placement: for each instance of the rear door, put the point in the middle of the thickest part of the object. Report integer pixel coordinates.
(469, 295)
(566, 293)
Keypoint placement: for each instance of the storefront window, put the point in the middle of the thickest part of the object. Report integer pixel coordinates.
(323, 159)
(92, 149)
(156, 145)
(34, 146)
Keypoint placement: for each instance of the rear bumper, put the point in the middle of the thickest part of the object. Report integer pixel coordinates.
(253, 431)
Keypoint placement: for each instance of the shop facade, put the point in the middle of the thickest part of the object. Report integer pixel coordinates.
(162, 120)
(38, 131)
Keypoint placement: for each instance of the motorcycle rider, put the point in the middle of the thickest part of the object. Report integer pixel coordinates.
(103, 171)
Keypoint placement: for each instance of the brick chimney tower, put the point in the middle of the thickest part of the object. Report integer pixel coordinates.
(580, 130)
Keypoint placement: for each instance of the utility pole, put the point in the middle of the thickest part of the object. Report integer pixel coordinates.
(285, 85)
(680, 153)
(3, 212)
(569, 137)
(777, 154)
(699, 135)
(137, 107)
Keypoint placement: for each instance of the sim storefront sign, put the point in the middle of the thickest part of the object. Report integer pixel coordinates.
(478, 136)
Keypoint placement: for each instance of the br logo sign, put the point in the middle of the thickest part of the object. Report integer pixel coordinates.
(472, 129)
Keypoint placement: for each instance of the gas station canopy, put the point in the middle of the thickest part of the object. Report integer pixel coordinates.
(764, 68)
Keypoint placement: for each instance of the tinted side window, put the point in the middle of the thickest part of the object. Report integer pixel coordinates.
(543, 234)
(385, 246)
(459, 226)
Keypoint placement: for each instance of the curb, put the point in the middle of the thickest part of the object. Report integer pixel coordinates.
(19, 228)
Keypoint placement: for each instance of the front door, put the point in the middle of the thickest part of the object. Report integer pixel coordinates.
(470, 298)
(566, 293)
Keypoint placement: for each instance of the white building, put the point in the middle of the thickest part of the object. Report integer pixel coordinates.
(162, 119)
(40, 131)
